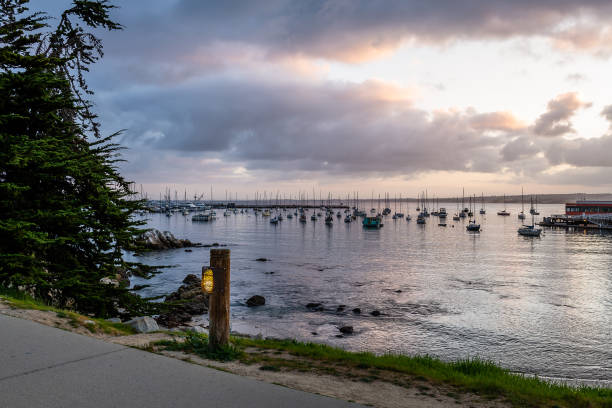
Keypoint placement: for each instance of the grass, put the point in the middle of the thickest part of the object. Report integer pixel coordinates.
(22, 300)
(198, 345)
(483, 378)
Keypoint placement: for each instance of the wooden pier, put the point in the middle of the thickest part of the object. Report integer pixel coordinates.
(590, 222)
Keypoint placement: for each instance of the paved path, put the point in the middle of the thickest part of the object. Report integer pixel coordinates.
(41, 366)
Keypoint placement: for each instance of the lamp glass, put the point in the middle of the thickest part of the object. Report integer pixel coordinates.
(207, 281)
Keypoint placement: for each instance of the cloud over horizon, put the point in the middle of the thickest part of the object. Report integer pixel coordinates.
(243, 87)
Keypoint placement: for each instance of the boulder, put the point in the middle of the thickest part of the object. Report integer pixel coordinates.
(313, 305)
(157, 240)
(110, 281)
(357, 310)
(191, 280)
(123, 277)
(143, 324)
(256, 300)
(375, 313)
(346, 329)
(173, 319)
(187, 301)
(197, 329)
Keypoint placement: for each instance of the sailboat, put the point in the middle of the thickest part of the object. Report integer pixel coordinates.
(504, 212)
(533, 210)
(400, 214)
(472, 226)
(456, 217)
(470, 212)
(530, 230)
(482, 209)
(521, 215)
(329, 219)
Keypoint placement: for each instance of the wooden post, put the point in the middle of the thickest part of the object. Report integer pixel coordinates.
(219, 301)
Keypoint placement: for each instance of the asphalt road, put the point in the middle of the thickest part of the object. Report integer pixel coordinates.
(42, 366)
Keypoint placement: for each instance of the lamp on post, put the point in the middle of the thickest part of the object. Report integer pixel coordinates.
(216, 283)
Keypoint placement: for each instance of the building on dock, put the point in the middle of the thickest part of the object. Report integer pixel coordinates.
(583, 214)
(589, 208)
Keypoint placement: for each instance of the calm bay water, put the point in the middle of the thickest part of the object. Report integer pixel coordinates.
(541, 306)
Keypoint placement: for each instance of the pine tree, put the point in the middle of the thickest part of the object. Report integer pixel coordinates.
(65, 211)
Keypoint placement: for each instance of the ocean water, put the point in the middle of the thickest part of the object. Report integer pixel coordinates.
(540, 306)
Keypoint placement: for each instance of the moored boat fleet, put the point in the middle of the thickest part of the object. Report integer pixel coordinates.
(374, 218)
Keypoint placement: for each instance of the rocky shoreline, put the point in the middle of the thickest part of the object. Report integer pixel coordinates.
(187, 301)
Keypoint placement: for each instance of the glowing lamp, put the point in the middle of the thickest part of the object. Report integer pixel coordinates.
(207, 281)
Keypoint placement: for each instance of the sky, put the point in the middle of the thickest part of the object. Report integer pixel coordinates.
(372, 96)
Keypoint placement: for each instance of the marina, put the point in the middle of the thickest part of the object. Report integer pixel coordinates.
(444, 291)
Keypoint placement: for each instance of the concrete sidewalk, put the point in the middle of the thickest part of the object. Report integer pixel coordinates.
(41, 366)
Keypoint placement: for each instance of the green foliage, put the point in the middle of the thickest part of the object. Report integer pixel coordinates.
(22, 300)
(198, 344)
(65, 213)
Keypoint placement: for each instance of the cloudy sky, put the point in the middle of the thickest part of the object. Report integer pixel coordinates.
(350, 95)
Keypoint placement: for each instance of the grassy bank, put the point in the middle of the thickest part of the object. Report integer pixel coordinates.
(21, 300)
(428, 375)
(483, 378)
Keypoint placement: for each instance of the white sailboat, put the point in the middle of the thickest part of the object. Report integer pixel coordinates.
(504, 212)
(521, 215)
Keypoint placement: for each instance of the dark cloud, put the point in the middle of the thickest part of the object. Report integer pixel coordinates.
(593, 152)
(523, 147)
(556, 120)
(349, 30)
(337, 128)
(607, 113)
(204, 89)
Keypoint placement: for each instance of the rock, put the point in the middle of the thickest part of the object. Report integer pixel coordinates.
(123, 277)
(139, 287)
(262, 259)
(110, 281)
(313, 305)
(256, 300)
(143, 324)
(157, 240)
(191, 280)
(197, 329)
(187, 301)
(398, 291)
(340, 308)
(346, 329)
(357, 310)
(375, 313)
(314, 333)
(86, 322)
(114, 320)
(340, 336)
(188, 250)
(215, 244)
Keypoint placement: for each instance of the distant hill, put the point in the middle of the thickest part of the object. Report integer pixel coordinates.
(541, 198)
